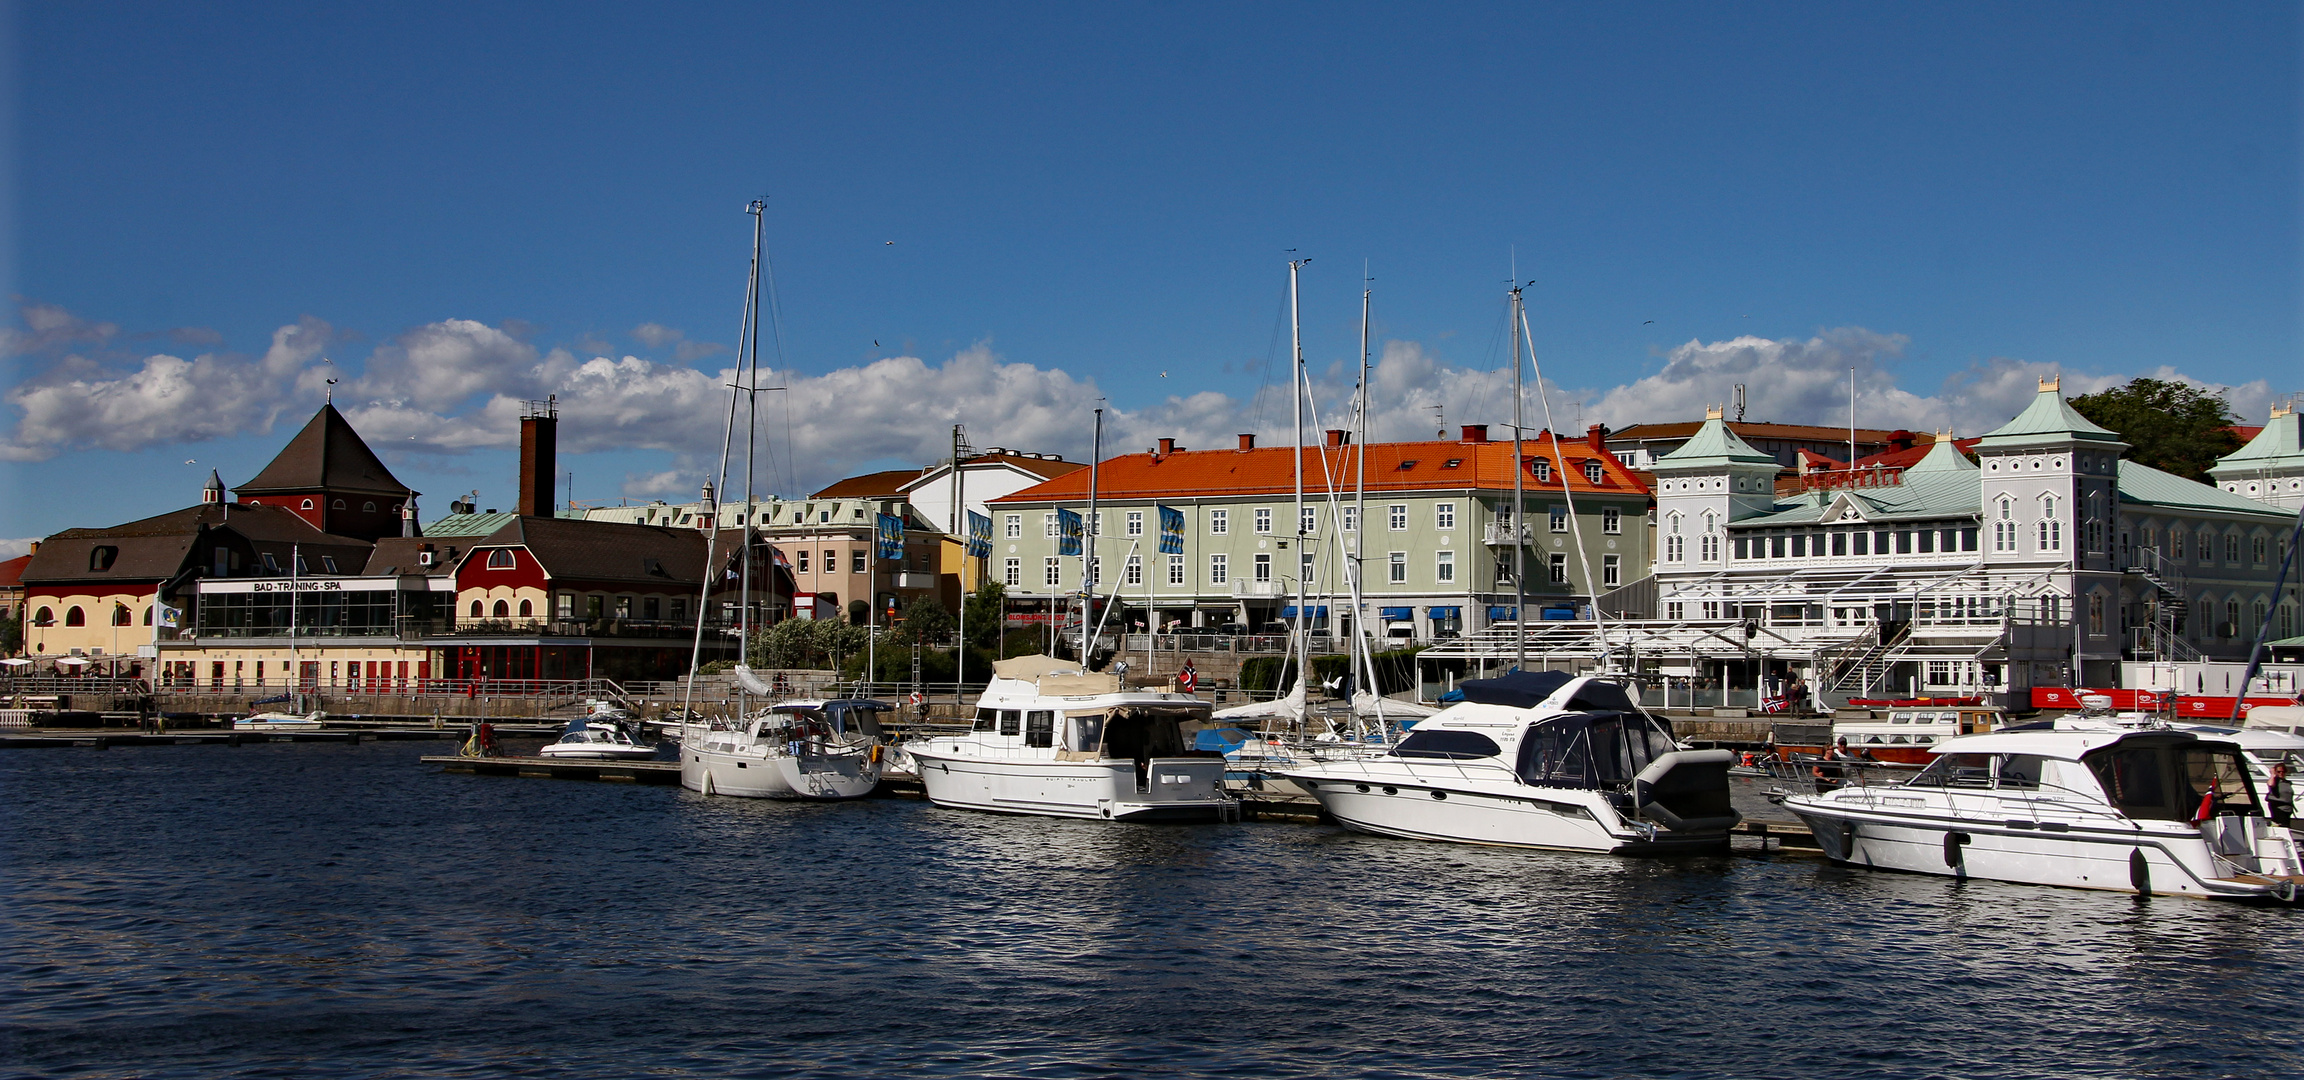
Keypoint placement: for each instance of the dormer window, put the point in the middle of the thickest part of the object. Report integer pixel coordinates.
(1407, 464)
(1453, 463)
(329, 563)
(1541, 470)
(368, 507)
(307, 504)
(100, 558)
(337, 505)
(1592, 472)
(501, 559)
(271, 565)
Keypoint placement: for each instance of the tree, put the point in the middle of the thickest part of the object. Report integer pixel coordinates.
(926, 619)
(985, 608)
(2175, 427)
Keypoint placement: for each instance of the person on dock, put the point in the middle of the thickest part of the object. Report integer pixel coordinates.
(2280, 795)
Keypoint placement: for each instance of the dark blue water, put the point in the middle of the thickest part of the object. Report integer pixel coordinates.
(306, 910)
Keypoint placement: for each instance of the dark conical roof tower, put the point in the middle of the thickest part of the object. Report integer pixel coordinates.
(329, 477)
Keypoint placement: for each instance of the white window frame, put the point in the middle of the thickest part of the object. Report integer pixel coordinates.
(1133, 573)
(1015, 526)
(1012, 572)
(1219, 522)
(1396, 514)
(1052, 572)
(1219, 569)
(1135, 522)
(1263, 521)
(1612, 520)
(1444, 566)
(1261, 568)
(1444, 515)
(1396, 568)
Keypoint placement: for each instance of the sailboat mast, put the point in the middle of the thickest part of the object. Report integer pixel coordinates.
(1519, 506)
(1088, 547)
(1362, 641)
(751, 451)
(960, 517)
(708, 508)
(1296, 397)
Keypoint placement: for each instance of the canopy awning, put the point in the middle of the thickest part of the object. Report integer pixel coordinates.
(1396, 613)
(1495, 612)
(1447, 612)
(1313, 611)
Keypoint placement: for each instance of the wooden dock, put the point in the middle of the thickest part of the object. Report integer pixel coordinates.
(623, 772)
(105, 739)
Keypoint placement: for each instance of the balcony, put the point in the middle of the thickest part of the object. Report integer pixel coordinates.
(910, 580)
(1254, 589)
(1497, 533)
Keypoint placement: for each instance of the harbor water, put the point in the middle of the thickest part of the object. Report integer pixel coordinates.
(339, 910)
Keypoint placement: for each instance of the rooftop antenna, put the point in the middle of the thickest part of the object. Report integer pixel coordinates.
(1739, 403)
(1439, 421)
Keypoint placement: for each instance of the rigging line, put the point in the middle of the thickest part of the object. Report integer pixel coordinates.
(744, 332)
(1560, 461)
(1264, 385)
(790, 480)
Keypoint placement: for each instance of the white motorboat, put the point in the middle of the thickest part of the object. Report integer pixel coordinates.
(1053, 740)
(596, 737)
(811, 749)
(2088, 804)
(280, 721)
(1535, 760)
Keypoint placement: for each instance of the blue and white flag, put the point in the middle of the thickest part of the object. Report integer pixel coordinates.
(889, 538)
(1171, 531)
(979, 535)
(1068, 532)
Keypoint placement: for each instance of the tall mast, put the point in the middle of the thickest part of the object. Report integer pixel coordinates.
(1519, 505)
(1363, 642)
(708, 508)
(758, 210)
(1088, 547)
(959, 518)
(1296, 397)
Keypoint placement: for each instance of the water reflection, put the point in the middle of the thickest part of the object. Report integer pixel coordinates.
(341, 911)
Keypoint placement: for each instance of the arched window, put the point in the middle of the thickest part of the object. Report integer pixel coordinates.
(2051, 530)
(1675, 548)
(2004, 525)
(337, 505)
(501, 559)
(503, 610)
(2232, 617)
(44, 617)
(73, 616)
(475, 609)
(527, 609)
(101, 556)
(1708, 545)
(121, 616)
(368, 507)
(307, 504)
(147, 616)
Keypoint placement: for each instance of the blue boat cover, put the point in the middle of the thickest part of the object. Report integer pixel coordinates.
(1518, 689)
(1222, 740)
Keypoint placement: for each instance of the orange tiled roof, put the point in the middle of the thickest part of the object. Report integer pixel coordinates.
(1270, 470)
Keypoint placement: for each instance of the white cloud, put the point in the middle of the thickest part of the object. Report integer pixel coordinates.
(656, 335)
(21, 545)
(164, 399)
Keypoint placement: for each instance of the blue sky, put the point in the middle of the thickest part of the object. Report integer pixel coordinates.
(1029, 210)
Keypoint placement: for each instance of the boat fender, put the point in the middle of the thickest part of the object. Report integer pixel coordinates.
(874, 757)
(1953, 841)
(707, 785)
(2139, 871)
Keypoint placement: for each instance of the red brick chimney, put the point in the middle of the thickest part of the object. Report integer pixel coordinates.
(1167, 447)
(1335, 437)
(1247, 442)
(1475, 433)
(539, 448)
(1597, 435)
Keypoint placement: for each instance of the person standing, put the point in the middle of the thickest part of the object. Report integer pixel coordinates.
(2280, 795)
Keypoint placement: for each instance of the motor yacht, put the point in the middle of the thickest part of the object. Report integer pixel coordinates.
(280, 721)
(2090, 805)
(811, 749)
(596, 737)
(1535, 760)
(1053, 740)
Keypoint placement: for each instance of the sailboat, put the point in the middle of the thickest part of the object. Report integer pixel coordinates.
(787, 750)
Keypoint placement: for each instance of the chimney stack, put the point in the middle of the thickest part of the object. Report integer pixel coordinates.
(1247, 442)
(1597, 436)
(1475, 433)
(539, 451)
(1336, 437)
(1901, 439)
(1167, 447)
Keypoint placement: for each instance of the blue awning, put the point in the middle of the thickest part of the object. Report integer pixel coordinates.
(1503, 612)
(1312, 611)
(1447, 612)
(1396, 614)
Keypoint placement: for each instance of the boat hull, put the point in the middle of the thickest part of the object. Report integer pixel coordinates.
(1174, 789)
(779, 775)
(599, 752)
(2079, 851)
(1468, 814)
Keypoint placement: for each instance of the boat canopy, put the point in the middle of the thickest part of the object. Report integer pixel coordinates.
(1518, 689)
(1591, 749)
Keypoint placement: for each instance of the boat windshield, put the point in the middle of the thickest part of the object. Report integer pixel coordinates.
(1452, 745)
(2166, 780)
(1142, 733)
(1590, 749)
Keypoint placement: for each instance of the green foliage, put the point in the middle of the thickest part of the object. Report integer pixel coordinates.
(1395, 671)
(892, 663)
(1268, 674)
(805, 643)
(2174, 427)
(926, 619)
(11, 637)
(984, 610)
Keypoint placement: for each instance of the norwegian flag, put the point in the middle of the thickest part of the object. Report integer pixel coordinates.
(1775, 704)
(2208, 802)
(1188, 680)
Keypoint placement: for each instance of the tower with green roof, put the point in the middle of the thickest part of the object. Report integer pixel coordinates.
(1712, 479)
(2270, 469)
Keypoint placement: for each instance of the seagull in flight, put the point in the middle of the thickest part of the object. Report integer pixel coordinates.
(1646, 323)
(191, 461)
